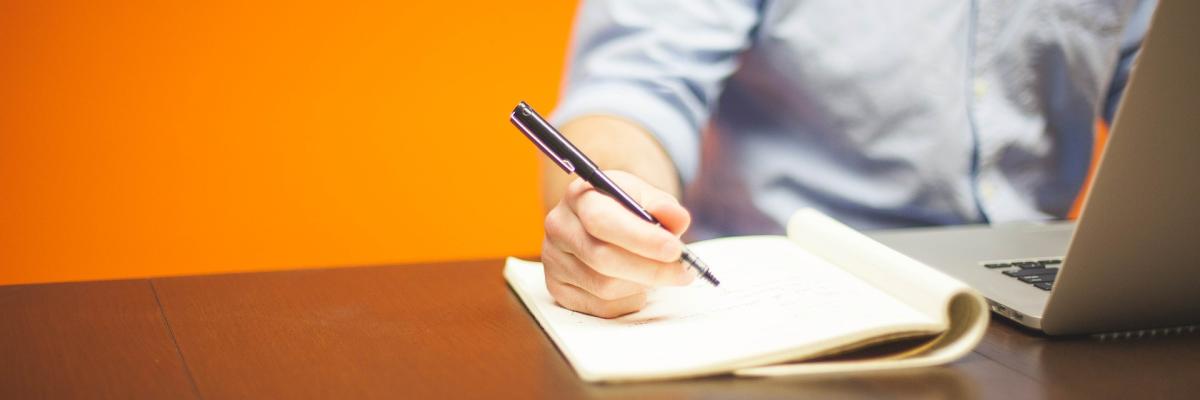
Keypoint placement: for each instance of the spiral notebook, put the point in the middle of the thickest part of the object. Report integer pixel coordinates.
(824, 299)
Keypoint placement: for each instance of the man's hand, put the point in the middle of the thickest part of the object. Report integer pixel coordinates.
(601, 259)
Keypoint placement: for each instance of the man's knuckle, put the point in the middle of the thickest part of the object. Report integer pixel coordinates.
(557, 291)
(552, 224)
(589, 214)
(601, 254)
(552, 258)
(582, 248)
(604, 258)
(602, 225)
(577, 187)
(608, 288)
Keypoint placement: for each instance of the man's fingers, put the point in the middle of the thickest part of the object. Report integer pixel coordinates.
(568, 269)
(574, 298)
(565, 232)
(660, 204)
(607, 220)
(613, 261)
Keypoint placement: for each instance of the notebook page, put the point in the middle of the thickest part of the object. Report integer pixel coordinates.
(929, 291)
(918, 285)
(776, 303)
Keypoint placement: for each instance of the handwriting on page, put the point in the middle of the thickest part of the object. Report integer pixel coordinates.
(768, 292)
(780, 297)
(755, 300)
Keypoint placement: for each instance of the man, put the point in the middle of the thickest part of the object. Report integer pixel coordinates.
(880, 113)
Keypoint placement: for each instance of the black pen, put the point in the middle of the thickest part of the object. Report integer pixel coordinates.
(566, 155)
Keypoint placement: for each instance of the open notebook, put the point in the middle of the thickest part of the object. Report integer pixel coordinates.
(824, 299)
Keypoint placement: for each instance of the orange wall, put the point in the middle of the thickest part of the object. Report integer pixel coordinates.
(146, 138)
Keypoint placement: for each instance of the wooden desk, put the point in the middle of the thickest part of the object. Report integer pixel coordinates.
(453, 330)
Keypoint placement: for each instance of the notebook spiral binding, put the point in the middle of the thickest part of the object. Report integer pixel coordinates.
(1148, 333)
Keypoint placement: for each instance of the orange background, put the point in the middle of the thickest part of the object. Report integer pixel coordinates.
(142, 138)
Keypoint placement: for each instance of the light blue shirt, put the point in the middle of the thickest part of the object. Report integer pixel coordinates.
(880, 113)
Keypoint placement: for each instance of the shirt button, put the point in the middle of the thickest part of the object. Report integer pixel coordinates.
(981, 88)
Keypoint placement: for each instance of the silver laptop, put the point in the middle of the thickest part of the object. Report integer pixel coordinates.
(1131, 263)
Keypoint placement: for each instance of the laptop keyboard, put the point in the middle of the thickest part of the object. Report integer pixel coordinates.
(1039, 272)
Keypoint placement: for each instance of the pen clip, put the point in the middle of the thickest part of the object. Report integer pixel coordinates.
(533, 137)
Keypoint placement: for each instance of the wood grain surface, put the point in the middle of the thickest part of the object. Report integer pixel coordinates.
(455, 330)
(87, 340)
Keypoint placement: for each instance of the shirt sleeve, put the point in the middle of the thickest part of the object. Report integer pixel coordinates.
(660, 64)
(1131, 43)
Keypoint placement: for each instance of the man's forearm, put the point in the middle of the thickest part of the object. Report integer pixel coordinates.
(612, 143)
